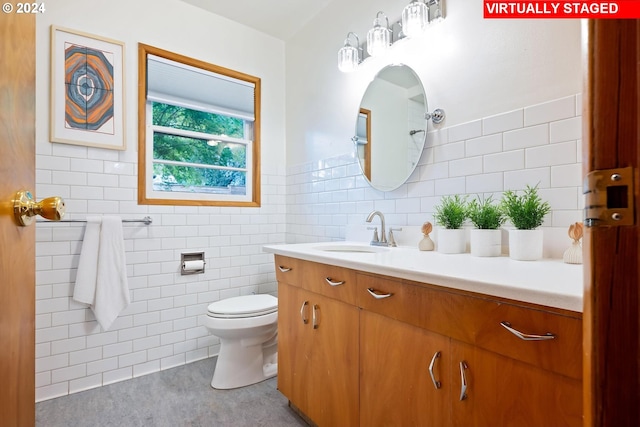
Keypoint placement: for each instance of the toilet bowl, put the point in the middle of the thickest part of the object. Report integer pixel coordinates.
(248, 330)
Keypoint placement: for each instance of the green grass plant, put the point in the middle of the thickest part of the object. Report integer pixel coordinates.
(451, 213)
(485, 214)
(527, 210)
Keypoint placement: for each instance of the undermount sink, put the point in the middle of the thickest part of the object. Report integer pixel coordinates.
(351, 248)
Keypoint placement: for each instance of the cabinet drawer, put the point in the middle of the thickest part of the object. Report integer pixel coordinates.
(420, 305)
(329, 280)
(391, 298)
(477, 321)
(288, 270)
(561, 354)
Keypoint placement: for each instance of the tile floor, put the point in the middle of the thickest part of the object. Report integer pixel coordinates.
(176, 397)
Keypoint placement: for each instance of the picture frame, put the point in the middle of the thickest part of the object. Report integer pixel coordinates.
(87, 90)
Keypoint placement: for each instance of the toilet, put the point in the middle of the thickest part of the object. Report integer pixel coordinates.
(248, 330)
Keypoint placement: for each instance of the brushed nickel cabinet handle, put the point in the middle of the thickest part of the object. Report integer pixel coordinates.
(305, 320)
(315, 317)
(437, 384)
(378, 295)
(332, 283)
(463, 380)
(284, 269)
(527, 337)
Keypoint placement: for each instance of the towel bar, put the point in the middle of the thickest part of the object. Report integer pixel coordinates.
(147, 220)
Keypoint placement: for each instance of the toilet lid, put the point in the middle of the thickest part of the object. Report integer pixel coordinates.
(244, 306)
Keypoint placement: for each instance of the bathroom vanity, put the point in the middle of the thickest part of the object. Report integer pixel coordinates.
(394, 336)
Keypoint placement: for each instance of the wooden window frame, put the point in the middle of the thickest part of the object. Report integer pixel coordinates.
(145, 171)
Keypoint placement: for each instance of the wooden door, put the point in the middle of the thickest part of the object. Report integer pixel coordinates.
(612, 267)
(17, 262)
(504, 392)
(294, 345)
(334, 363)
(396, 388)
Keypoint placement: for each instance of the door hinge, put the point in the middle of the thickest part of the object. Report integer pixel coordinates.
(609, 197)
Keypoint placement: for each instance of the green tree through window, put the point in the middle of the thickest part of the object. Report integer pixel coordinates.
(211, 146)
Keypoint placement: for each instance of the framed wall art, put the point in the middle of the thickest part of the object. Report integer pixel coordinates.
(87, 90)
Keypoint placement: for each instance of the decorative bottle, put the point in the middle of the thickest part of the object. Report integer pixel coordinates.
(426, 244)
(573, 255)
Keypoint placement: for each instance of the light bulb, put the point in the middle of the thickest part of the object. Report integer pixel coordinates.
(348, 55)
(379, 37)
(347, 59)
(415, 18)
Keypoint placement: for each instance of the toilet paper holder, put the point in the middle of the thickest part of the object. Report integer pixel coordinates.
(192, 263)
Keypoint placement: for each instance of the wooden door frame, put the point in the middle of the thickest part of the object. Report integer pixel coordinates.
(612, 272)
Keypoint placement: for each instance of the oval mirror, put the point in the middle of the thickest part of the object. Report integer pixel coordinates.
(391, 127)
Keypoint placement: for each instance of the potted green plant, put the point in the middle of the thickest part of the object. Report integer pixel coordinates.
(487, 217)
(526, 212)
(450, 215)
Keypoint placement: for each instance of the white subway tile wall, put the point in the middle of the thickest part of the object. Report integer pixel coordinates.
(315, 201)
(535, 145)
(162, 327)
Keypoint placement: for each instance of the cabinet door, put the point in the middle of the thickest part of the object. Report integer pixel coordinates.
(294, 345)
(396, 388)
(503, 392)
(334, 363)
(318, 356)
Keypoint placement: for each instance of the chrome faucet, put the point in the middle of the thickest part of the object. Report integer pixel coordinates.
(375, 241)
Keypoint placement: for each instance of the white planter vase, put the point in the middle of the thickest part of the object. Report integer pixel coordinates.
(485, 242)
(452, 241)
(525, 245)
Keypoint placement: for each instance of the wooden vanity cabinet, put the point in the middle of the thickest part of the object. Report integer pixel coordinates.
(507, 381)
(389, 352)
(318, 344)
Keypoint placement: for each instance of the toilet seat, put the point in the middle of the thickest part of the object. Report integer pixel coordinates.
(243, 307)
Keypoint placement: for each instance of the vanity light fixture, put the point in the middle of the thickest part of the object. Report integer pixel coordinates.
(379, 37)
(415, 18)
(435, 14)
(349, 55)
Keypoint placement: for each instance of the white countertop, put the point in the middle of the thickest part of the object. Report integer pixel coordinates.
(548, 282)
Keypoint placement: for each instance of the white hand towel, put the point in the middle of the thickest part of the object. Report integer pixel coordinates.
(112, 288)
(105, 272)
(85, 289)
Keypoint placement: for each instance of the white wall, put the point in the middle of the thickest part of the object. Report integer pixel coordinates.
(471, 67)
(162, 327)
(536, 145)
(511, 90)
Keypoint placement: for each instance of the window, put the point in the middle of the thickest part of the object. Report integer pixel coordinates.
(198, 132)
